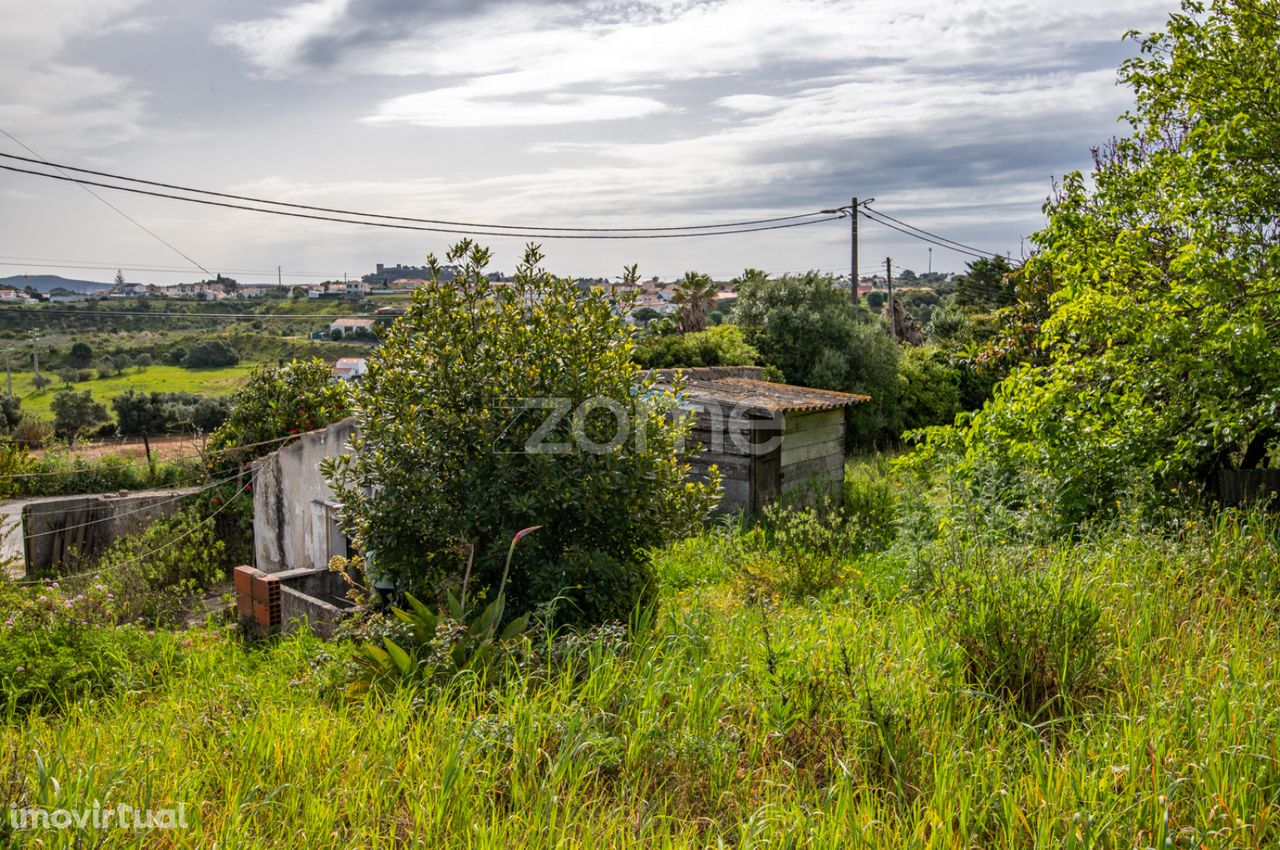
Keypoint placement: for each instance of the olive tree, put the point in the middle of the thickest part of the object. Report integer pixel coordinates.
(491, 407)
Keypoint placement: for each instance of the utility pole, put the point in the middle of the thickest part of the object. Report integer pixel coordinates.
(893, 310)
(279, 282)
(853, 251)
(35, 355)
(930, 261)
(8, 376)
(852, 210)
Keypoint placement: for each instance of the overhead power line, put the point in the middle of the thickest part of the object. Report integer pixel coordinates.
(924, 235)
(117, 210)
(447, 222)
(903, 230)
(390, 226)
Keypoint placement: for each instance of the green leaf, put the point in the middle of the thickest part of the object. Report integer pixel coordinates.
(401, 659)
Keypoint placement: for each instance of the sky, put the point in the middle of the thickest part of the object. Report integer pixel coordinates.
(954, 115)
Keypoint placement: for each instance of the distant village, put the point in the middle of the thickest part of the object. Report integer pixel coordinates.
(652, 297)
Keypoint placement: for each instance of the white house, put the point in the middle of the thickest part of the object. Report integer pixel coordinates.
(350, 368)
(349, 325)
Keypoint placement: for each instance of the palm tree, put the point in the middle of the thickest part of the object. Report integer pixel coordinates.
(695, 293)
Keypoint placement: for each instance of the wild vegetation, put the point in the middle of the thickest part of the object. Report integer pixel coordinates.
(1031, 626)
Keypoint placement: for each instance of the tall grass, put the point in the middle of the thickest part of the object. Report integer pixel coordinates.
(841, 722)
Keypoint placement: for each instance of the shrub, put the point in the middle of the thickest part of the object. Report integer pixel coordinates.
(443, 456)
(591, 587)
(75, 412)
(14, 462)
(796, 553)
(723, 345)
(81, 353)
(31, 431)
(274, 402)
(1025, 634)
(157, 574)
(210, 354)
(928, 389)
(58, 646)
(10, 412)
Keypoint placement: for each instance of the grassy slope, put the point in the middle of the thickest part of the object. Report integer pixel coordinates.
(153, 378)
(687, 740)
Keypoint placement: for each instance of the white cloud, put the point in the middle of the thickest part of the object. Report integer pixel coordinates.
(45, 95)
(463, 107)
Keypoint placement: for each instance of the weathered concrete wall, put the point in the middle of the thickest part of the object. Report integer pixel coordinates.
(294, 518)
(60, 529)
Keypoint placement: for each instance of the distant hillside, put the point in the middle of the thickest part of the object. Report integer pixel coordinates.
(47, 282)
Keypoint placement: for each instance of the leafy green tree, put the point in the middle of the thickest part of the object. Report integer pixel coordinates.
(140, 415)
(929, 388)
(1157, 359)
(807, 328)
(210, 354)
(274, 403)
(986, 284)
(10, 412)
(695, 293)
(452, 453)
(81, 353)
(76, 412)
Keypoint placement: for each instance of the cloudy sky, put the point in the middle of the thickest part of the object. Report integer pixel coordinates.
(954, 114)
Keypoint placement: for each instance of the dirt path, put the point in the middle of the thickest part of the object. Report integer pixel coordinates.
(162, 448)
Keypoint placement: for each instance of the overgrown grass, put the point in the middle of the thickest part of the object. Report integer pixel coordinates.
(846, 720)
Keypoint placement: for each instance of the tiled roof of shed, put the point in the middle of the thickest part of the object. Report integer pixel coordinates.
(734, 386)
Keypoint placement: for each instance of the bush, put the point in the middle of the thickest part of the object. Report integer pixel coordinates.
(928, 389)
(210, 354)
(723, 345)
(56, 475)
(158, 574)
(31, 431)
(81, 354)
(57, 647)
(796, 553)
(442, 458)
(10, 412)
(593, 587)
(1025, 634)
(14, 461)
(75, 412)
(274, 402)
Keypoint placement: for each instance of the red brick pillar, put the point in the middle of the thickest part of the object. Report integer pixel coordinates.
(258, 599)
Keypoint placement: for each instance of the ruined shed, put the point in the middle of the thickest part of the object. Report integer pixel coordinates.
(767, 439)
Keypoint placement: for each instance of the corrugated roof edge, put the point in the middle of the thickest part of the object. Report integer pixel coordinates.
(743, 385)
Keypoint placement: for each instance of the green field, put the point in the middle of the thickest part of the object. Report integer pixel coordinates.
(214, 382)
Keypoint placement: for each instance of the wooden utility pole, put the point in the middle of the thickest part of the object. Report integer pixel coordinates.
(853, 250)
(35, 355)
(893, 310)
